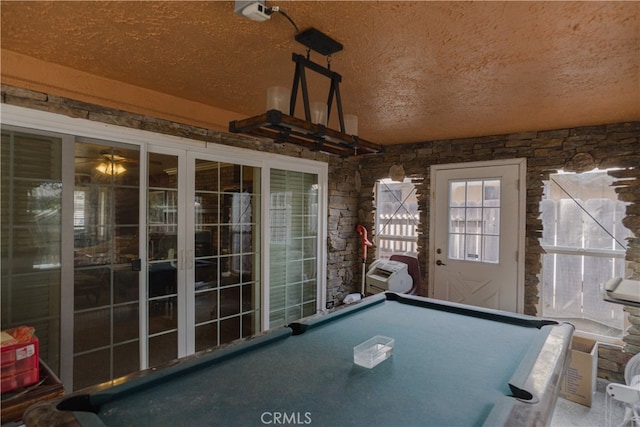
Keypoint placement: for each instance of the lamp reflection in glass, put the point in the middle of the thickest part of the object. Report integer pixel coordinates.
(111, 168)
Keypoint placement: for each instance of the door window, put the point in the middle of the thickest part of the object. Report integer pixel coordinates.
(474, 220)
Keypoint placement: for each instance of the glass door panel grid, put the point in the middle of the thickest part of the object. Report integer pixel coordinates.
(293, 246)
(226, 252)
(474, 220)
(31, 206)
(162, 255)
(106, 315)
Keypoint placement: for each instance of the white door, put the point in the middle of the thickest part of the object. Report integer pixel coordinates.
(477, 234)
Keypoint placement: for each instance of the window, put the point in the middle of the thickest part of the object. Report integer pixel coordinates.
(585, 244)
(474, 220)
(397, 217)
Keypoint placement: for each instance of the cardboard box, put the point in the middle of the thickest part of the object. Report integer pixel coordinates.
(579, 382)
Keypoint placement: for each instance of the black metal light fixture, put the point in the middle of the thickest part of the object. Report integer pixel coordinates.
(280, 127)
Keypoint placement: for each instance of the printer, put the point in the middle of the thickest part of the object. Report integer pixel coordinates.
(386, 275)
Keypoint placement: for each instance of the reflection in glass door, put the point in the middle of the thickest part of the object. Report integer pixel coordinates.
(226, 252)
(106, 242)
(203, 285)
(164, 239)
(30, 252)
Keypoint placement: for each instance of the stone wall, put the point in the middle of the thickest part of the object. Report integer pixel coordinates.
(343, 241)
(351, 183)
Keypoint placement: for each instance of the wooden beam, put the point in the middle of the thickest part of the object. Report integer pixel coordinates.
(281, 127)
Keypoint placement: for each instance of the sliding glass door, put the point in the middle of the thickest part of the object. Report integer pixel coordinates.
(225, 251)
(126, 249)
(106, 246)
(31, 207)
(165, 255)
(203, 283)
(293, 245)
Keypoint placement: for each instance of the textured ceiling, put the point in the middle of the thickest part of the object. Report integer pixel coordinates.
(412, 71)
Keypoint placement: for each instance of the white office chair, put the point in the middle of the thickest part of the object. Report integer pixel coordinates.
(628, 394)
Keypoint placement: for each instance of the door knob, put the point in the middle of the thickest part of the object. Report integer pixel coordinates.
(438, 262)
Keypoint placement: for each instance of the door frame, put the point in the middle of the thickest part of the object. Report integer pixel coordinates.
(521, 163)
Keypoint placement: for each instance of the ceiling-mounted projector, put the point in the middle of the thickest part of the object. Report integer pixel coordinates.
(254, 10)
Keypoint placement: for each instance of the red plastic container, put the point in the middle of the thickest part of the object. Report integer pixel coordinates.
(19, 365)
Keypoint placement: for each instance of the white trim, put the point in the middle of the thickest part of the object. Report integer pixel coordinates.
(522, 217)
(184, 301)
(66, 264)
(323, 213)
(483, 164)
(265, 180)
(143, 248)
(522, 227)
(42, 120)
(568, 250)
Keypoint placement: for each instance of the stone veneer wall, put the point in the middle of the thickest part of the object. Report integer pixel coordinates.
(351, 187)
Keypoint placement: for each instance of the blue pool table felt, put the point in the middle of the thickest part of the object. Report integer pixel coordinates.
(446, 369)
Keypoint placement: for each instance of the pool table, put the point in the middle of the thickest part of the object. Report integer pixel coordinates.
(452, 365)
